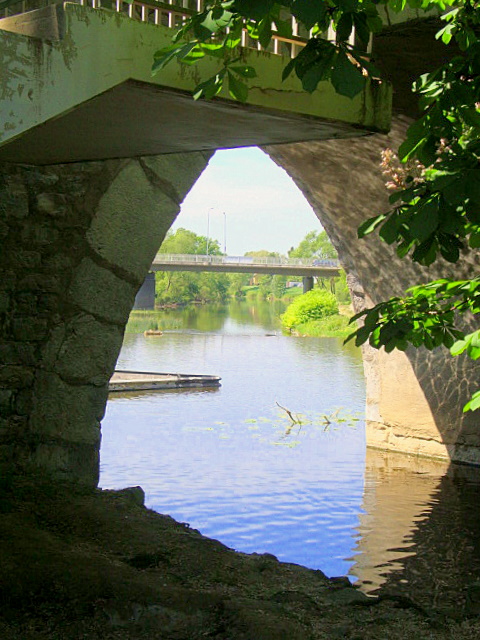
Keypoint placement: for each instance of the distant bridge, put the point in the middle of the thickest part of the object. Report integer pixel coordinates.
(305, 267)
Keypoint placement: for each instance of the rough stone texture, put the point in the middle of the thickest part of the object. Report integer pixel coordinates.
(414, 400)
(98, 565)
(77, 242)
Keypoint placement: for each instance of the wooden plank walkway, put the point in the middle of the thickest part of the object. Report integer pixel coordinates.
(150, 381)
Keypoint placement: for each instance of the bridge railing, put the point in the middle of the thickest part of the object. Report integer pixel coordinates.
(172, 13)
(245, 260)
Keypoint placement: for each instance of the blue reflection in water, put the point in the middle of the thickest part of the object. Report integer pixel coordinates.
(225, 460)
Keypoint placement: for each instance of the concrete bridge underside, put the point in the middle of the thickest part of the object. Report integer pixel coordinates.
(79, 238)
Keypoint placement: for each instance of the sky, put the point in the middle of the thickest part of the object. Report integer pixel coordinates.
(263, 207)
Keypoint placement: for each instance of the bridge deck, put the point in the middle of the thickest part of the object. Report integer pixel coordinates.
(327, 268)
(119, 110)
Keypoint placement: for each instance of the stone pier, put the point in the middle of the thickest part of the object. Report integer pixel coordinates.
(77, 241)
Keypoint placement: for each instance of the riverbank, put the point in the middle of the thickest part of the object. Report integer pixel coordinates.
(334, 326)
(99, 565)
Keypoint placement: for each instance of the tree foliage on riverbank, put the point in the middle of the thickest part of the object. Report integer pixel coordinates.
(436, 213)
(181, 287)
(314, 305)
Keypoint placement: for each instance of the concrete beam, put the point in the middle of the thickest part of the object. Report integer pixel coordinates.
(279, 270)
(90, 95)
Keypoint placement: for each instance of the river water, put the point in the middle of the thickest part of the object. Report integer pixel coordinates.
(232, 464)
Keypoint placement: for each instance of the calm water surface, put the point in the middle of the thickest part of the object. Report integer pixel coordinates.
(231, 463)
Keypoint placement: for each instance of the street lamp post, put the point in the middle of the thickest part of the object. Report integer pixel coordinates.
(208, 228)
(224, 233)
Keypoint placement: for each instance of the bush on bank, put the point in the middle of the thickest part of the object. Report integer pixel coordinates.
(331, 327)
(314, 305)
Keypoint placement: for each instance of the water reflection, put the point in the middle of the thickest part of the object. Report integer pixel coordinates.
(229, 462)
(236, 317)
(419, 533)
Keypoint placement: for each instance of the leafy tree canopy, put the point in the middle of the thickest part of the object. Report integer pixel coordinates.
(316, 244)
(188, 242)
(436, 213)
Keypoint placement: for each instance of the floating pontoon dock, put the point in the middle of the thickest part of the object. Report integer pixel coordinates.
(150, 381)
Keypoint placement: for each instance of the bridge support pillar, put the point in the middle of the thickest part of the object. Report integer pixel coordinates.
(77, 241)
(307, 283)
(145, 298)
(414, 399)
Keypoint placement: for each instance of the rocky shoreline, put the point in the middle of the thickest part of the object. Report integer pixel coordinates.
(99, 565)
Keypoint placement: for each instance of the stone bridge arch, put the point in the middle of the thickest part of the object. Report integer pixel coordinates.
(414, 399)
(77, 240)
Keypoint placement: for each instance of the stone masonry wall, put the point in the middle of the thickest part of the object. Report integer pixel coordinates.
(414, 399)
(76, 243)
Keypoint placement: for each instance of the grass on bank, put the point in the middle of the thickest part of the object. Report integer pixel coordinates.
(335, 326)
(140, 321)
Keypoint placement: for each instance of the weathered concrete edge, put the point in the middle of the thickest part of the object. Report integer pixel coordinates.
(43, 82)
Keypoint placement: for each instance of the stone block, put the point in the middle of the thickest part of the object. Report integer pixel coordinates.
(24, 260)
(53, 204)
(78, 462)
(15, 377)
(100, 292)
(4, 302)
(66, 412)
(15, 199)
(8, 278)
(4, 230)
(131, 221)
(23, 402)
(87, 351)
(47, 302)
(177, 171)
(41, 177)
(26, 303)
(17, 353)
(5, 401)
(41, 282)
(30, 329)
(38, 235)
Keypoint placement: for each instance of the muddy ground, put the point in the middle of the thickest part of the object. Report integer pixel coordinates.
(99, 565)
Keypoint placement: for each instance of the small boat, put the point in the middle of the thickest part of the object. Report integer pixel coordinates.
(153, 332)
(149, 381)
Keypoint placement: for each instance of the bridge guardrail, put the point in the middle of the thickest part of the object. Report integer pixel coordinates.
(245, 260)
(172, 14)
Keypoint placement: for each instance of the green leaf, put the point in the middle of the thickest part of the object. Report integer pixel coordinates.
(344, 26)
(472, 185)
(389, 230)
(264, 31)
(319, 71)
(425, 222)
(474, 403)
(362, 26)
(288, 68)
(370, 225)
(308, 12)
(244, 70)
(474, 240)
(415, 137)
(210, 88)
(346, 77)
(255, 9)
(236, 88)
